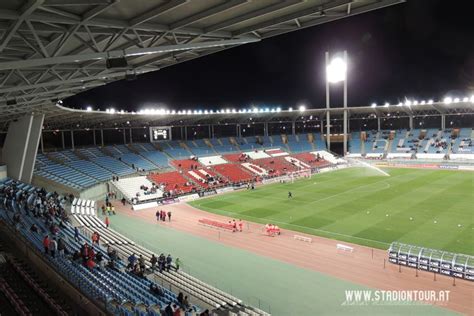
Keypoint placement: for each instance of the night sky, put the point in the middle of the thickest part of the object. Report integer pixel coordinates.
(421, 49)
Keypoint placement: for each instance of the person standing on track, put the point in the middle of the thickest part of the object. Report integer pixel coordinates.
(158, 214)
(107, 222)
(290, 195)
(241, 224)
(169, 216)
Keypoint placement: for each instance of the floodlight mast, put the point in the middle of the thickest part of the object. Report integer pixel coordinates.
(336, 71)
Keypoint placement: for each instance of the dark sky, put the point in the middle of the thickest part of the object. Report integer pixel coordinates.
(421, 49)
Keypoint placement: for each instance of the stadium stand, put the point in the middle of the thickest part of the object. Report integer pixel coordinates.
(105, 284)
(233, 172)
(138, 188)
(174, 182)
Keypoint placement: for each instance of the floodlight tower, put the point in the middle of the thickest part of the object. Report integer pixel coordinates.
(336, 71)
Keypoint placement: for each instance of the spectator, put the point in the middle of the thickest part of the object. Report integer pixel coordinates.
(76, 234)
(107, 222)
(90, 264)
(158, 215)
(131, 261)
(168, 310)
(186, 304)
(153, 261)
(46, 244)
(180, 298)
(61, 247)
(34, 228)
(99, 259)
(169, 216)
(177, 263)
(241, 224)
(141, 261)
(53, 247)
(169, 260)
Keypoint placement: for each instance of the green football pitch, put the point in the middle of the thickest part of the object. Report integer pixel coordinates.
(429, 208)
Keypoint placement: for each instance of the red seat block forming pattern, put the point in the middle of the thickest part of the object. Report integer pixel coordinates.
(278, 164)
(185, 164)
(172, 180)
(201, 173)
(233, 172)
(310, 159)
(234, 157)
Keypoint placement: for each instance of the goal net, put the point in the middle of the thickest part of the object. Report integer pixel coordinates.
(295, 175)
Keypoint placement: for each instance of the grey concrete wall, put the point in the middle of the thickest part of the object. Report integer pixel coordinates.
(15, 147)
(3, 172)
(32, 148)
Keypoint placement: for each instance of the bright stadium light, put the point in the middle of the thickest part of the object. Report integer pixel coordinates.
(465, 99)
(430, 101)
(290, 109)
(456, 100)
(448, 100)
(472, 98)
(415, 102)
(373, 105)
(89, 109)
(407, 103)
(387, 104)
(336, 70)
(400, 104)
(302, 108)
(423, 102)
(278, 109)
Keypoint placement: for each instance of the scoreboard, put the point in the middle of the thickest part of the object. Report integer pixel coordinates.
(160, 133)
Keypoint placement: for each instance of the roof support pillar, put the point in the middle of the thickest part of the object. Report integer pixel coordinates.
(62, 140)
(93, 135)
(410, 122)
(443, 121)
(102, 137)
(72, 139)
(130, 134)
(378, 123)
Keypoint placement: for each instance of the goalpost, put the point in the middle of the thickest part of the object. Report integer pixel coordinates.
(295, 175)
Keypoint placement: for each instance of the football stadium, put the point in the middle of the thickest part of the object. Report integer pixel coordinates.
(319, 206)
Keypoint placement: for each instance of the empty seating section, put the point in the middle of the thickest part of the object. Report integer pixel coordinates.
(275, 165)
(277, 141)
(354, 144)
(91, 152)
(318, 142)
(65, 175)
(135, 161)
(113, 165)
(234, 157)
(173, 181)
(206, 178)
(311, 159)
(131, 186)
(91, 169)
(377, 142)
(211, 160)
(112, 150)
(156, 157)
(185, 164)
(233, 172)
(178, 152)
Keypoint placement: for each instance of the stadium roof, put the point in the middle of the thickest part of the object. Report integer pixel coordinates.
(60, 117)
(52, 49)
